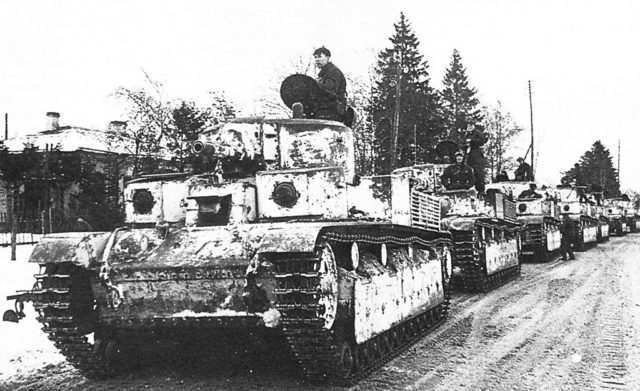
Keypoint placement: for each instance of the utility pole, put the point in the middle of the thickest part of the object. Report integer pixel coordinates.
(531, 115)
(618, 162)
(396, 116)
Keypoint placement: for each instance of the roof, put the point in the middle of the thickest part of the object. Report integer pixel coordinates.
(69, 139)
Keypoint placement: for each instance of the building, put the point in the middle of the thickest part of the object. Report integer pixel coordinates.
(96, 198)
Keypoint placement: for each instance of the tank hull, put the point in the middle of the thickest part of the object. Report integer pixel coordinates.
(540, 238)
(355, 290)
(484, 262)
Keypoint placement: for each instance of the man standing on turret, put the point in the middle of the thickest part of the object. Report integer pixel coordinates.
(476, 137)
(332, 81)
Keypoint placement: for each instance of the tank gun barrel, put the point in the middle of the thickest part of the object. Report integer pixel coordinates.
(202, 148)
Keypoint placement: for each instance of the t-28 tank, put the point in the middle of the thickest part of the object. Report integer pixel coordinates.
(485, 231)
(583, 213)
(280, 237)
(538, 212)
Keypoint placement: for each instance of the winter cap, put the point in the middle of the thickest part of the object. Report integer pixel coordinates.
(322, 50)
(459, 153)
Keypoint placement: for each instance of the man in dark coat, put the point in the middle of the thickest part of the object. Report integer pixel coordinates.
(568, 231)
(458, 176)
(530, 192)
(475, 158)
(523, 173)
(332, 81)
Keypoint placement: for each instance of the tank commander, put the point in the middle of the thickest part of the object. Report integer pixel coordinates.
(530, 192)
(524, 172)
(332, 81)
(458, 176)
(476, 137)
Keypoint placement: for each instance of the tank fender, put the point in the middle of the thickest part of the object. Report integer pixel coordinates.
(80, 248)
(290, 239)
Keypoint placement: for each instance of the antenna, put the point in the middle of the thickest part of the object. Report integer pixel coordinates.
(6, 126)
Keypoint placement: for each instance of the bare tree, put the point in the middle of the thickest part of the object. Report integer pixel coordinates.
(502, 131)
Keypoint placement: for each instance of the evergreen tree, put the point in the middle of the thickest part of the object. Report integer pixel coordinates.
(402, 99)
(596, 170)
(460, 105)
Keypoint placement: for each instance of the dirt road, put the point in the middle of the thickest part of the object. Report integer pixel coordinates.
(571, 325)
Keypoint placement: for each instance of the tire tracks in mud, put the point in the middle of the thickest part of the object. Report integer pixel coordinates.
(529, 333)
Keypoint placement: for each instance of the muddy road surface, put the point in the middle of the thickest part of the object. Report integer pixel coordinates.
(565, 325)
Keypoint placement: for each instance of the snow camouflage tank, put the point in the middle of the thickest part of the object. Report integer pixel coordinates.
(281, 238)
(583, 215)
(615, 213)
(540, 235)
(603, 223)
(485, 231)
(631, 216)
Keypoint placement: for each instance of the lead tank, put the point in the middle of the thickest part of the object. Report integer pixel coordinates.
(279, 238)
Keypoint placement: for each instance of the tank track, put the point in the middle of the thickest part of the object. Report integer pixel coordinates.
(320, 351)
(474, 276)
(60, 298)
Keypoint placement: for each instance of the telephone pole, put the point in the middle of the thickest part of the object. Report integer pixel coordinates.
(396, 116)
(531, 115)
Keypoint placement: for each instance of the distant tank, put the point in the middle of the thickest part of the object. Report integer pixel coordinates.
(583, 214)
(616, 214)
(603, 223)
(484, 229)
(540, 218)
(279, 237)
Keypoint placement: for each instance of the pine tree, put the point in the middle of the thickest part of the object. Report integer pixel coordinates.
(403, 100)
(460, 105)
(596, 170)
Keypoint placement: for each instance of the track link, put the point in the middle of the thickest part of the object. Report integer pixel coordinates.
(60, 296)
(474, 277)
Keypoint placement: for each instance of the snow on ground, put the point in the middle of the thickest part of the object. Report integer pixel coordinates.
(23, 346)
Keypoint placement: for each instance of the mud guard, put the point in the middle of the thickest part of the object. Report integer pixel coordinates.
(83, 249)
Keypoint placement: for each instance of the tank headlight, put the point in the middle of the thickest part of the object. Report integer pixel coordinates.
(566, 208)
(143, 201)
(522, 207)
(285, 194)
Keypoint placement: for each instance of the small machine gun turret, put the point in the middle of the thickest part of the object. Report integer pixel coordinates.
(230, 150)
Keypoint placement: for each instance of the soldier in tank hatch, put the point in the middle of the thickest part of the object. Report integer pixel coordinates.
(332, 81)
(530, 192)
(458, 176)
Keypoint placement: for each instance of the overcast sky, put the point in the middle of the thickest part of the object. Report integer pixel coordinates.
(581, 57)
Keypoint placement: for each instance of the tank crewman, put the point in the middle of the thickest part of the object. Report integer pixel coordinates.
(458, 176)
(530, 192)
(568, 231)
(332, 81)
(524, 172)
(578, 178)
(475, 158)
